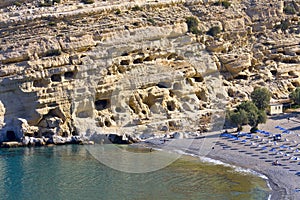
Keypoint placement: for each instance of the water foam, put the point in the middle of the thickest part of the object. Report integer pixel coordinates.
(218, 162)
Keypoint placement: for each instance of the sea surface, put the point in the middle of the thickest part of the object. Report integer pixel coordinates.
(71, 172)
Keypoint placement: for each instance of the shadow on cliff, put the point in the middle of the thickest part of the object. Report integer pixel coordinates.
(16, 101)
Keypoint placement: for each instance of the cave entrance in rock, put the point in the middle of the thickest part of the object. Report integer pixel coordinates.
(11, 136)
(102, 104)
(171, 106)
(56, 78)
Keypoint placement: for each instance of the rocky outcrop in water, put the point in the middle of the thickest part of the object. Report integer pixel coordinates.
(136, 67)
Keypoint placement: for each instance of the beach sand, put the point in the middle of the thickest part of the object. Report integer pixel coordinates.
(251, 153)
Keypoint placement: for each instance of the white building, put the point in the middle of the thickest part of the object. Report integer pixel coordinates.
(276, 108)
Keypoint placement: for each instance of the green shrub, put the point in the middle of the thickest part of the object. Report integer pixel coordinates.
(151, 21)
(192, 23)
(118, 11)
(289, 10)
(295, 96)
(88, 1)
(214, 31)
(52, 23)
(136, 8)
(284, 25)
(18, 4)
(56, 1)
(226, 4)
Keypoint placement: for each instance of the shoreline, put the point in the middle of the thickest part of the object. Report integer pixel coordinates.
(282, 183)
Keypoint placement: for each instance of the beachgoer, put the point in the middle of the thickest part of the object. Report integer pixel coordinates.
(276, 163)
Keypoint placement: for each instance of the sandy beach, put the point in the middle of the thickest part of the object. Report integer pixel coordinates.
(252, 151)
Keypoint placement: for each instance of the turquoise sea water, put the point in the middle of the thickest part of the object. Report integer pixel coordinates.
(70, 172)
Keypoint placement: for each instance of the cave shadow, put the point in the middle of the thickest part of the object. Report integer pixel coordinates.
(15, 104)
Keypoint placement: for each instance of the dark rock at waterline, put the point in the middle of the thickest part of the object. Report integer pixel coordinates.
(11, 144)
(122, 139)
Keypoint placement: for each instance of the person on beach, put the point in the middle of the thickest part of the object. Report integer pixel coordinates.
(276, 163)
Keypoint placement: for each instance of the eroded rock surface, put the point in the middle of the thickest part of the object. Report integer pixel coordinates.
(134, 67)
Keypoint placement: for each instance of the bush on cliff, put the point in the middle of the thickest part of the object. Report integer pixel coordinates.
(226, 4)
(192, 23)
(284, 25)
(289, 10)
(136, 8)
(214, 31)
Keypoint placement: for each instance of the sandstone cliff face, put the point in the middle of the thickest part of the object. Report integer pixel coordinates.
(134, 67)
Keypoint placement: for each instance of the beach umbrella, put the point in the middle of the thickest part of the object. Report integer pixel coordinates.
(264, 148)
(273, 150)
(286, 131)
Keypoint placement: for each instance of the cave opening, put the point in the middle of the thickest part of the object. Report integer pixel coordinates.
(102, 104)
(69, 75)
(56, 78)
(11, 136)
(107, 123)
(138, 61)
(198, 79)
(242, 77)
(125, 62)
(171, 106)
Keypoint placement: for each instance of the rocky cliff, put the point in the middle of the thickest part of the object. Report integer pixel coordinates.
(136, 67)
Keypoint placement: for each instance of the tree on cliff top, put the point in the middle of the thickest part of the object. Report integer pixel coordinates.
(261, 98)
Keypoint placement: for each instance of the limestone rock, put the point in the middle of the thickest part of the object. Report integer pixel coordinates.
(235, 63)
(91, 70)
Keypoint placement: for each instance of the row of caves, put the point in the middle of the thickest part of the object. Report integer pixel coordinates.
(141, 58)
(54, 78)
(151, 100)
